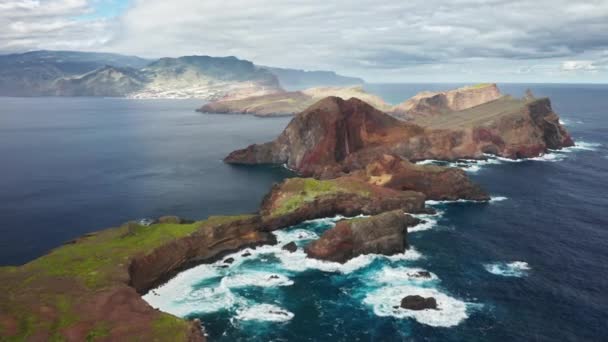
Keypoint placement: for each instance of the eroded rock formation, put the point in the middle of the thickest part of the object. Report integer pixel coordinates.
(300, 199)
(434, 103)
(385, 233)
(321, 138)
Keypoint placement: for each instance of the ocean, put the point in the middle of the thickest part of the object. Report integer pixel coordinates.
(528, 266)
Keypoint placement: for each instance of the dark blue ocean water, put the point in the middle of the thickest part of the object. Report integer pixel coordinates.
(530, 265)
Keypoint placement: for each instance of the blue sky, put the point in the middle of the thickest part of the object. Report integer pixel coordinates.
(386, 41)
(106, 9)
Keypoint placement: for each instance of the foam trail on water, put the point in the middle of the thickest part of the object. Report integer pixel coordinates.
(260, 279)
(512, 269)
(403, 275)
(492, 200)
(428, 221)
(264, 312)
(386, 301)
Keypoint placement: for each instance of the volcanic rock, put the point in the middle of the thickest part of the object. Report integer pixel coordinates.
(317, 141)
(433, 103)
(418, 303)
(300, 199)
(290, 247)
(436, 182)
(385, 233)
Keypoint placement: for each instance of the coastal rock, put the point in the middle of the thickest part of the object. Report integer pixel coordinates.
(208, 243)
(418, 303)
(436, 182)
(300, 199)
(290, 247)
(289, 103)
(318, 140)
(385, 233)
(434, 103)
(97, 281)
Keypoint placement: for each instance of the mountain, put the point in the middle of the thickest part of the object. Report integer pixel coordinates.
(294, 79)
(335, 135)
(35, 73)
(205, 77)
(70, 73)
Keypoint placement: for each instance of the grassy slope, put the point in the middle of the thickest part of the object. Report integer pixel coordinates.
(60, 279)
(297, 191)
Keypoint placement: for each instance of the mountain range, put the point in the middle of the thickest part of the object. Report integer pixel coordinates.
(70, 73)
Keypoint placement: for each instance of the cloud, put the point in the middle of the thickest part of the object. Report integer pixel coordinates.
(387, 39)
(578, 65)
(51, 24)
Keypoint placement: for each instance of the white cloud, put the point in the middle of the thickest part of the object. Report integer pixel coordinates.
(578, 65)
(393, 39)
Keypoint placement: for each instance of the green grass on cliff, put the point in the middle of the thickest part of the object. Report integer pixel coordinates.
(62, 279)
(480, 85)
(302, 190)
(96, 259)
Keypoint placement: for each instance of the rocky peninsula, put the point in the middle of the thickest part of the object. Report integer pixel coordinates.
(287, 103)
(352, 159)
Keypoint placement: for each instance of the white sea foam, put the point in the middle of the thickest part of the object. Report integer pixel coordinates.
(492, 199)
(402, 275)
(498, 199)
(286, 236)
(512, 269)
(428, 221)
(583, 146)
(298, 261)
(260, 279)
(264, 312)
(386, 301)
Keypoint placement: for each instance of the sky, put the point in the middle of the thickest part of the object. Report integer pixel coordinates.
(380, 40)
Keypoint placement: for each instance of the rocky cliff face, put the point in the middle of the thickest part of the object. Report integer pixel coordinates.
(381, 234)
(322, 137)
(91, 287)
(436, 182)
(299, 199)
(206, 244)
(434, 103)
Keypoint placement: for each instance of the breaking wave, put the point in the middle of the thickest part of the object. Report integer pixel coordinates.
(513, 269)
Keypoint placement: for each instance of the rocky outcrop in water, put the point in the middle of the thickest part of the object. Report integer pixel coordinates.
(436, 182)
(417, 303)
(321, 138)
(300, 199)
(381, 234)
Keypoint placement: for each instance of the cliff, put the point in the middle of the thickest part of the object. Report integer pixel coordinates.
(294, 79)
(300, 199)
(89, 289)
(289, 103)
(434, 103)
(385, 233)
(322, 137)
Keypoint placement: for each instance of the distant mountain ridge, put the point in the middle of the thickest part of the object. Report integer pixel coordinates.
(70, 73)
(293, 79)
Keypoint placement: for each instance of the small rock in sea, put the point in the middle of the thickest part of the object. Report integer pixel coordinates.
(229, 261)
(418, 303)
(422, 274)
(274, 276)
(290, 247)
(246, 254)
